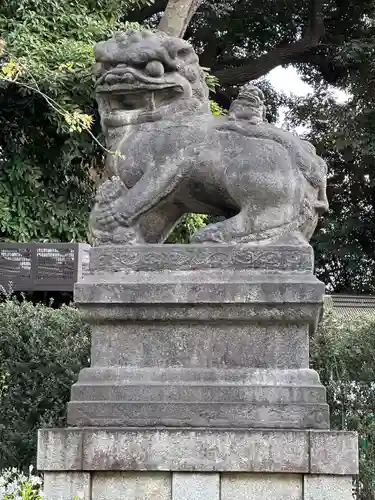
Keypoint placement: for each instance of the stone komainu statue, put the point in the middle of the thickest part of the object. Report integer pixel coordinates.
(173, 157)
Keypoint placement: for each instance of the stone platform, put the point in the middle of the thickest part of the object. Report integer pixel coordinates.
(199, 386)
(200, 335)
(207, 464)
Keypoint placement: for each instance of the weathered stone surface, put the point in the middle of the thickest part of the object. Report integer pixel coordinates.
(328, 488)
(198, 397)
(159, 485)
(187, 486)
(249, 376)
(154, 392)
(200, 450)
(131, 486)
(124, 258)
(334, 453)
(195, 450)
(200, 353)
(62, 448)
(199, 287)
(293, 313)
(205, 317)
(262, 487)
(67, 485)
(204, 344)
(183, 450)
(198, 414)
(154, 107)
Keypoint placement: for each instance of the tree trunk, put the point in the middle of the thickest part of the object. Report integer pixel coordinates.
(177, 16)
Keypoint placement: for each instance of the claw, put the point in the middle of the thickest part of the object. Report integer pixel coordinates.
(121, 219)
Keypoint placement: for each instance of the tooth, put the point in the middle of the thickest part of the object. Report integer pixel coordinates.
(128, 78)
(151, 101)
(112, 79)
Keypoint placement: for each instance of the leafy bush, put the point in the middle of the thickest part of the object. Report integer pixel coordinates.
(14, 485)
(41, 352)
(187, 226)
(344, 355)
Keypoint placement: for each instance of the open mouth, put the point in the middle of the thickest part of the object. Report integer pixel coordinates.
(120, 101)
(253, 101)
(125, 90)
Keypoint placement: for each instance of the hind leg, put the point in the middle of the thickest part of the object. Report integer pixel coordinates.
(225, 231)
(250, 225)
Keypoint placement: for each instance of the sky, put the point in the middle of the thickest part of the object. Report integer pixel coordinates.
(287, 80)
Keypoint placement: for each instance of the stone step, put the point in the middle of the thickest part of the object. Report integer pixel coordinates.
(240, 376)
(157, 392)
(210, 414)
(199, 287)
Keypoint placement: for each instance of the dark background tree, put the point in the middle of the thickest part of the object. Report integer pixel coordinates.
(344, 133)
(245, 39)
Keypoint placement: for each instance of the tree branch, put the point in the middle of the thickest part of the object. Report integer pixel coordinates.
(331, 69)
(141, 15)
(283, 54)
(177, 16)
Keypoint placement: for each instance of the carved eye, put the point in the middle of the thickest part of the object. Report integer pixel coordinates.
(155, 69)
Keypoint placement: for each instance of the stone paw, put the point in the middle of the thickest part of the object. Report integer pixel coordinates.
(128, 236)
(103, 218)
(110, 190)
(120, 235)
(208, 235)
(111, 215)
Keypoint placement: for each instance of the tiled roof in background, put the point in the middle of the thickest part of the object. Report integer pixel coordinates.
(349, 306)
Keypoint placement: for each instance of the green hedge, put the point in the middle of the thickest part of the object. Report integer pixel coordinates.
(41, 352)
(343, 352)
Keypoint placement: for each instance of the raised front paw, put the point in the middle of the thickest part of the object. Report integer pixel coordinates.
(104, 217)
(111, 190)
(110, 216)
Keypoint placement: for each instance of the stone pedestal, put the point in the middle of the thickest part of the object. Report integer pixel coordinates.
(199, 385)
